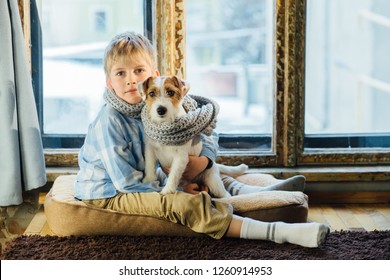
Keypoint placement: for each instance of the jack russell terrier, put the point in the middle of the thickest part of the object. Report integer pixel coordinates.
(164, 96)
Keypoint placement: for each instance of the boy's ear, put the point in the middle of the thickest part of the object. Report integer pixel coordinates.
(108, 83)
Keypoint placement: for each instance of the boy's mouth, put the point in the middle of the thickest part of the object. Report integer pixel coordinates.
(134, 90)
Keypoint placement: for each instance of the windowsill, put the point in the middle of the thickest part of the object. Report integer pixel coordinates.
(63, 162)
(332, 173)
(324, 184)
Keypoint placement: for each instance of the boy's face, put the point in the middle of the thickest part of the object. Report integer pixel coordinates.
(124, 77)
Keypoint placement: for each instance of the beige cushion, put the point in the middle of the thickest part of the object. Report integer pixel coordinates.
(68, 216)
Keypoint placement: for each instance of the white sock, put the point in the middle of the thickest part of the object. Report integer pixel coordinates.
(235, 187)
(304, 234)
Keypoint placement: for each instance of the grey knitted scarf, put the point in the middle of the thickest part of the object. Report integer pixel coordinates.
(122, 106)
(201, 117)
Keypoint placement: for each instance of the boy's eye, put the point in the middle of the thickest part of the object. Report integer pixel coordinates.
(170, 93)
(120, 73)
(139, 70)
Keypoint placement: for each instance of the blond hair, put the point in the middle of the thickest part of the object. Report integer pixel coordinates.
(131, 46)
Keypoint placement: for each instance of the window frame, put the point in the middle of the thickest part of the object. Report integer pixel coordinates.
(315, 156)
(165, 25)
(51, 140)
(169, 38)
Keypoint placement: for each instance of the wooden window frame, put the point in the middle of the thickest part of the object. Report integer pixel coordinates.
(289, 72)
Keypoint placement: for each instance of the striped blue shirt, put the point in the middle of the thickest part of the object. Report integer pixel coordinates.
(112, 157)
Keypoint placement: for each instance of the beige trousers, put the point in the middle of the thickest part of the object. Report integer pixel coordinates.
(198, 212)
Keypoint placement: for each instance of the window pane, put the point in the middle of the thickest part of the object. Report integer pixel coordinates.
(347, 68)
(75, 34)
(229, 58)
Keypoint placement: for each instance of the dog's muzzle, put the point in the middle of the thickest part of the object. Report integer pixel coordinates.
(161, 110)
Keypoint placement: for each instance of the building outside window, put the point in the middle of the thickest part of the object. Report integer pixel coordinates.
(101, 21)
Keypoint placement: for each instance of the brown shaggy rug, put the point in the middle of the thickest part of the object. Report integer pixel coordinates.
(343, 245)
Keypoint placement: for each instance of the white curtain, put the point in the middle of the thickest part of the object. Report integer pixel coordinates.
(22, 164)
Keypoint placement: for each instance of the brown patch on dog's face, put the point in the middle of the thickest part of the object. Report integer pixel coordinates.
(148, 90)
(174, 89)
(144, 86)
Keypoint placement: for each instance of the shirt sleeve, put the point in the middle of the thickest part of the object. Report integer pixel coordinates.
(210, 146)
(120, 148)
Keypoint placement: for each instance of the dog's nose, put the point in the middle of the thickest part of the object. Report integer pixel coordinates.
(161, 110)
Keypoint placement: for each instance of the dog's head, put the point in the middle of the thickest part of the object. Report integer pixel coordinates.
(164, 97)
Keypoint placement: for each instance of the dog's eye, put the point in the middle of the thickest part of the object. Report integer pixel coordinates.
(170, 93)
(152, 94)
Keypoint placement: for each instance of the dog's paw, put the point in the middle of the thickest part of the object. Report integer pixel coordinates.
(243, 167)
(149, 179)
(167, 190)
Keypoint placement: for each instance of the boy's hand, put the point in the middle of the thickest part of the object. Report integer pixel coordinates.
(195, 188)
(191, 188)
(195, 166)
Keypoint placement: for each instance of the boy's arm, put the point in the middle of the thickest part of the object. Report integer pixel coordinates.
(122, 156)
(210, 146)
(196, 165)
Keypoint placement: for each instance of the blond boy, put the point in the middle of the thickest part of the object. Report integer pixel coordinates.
(112, 161)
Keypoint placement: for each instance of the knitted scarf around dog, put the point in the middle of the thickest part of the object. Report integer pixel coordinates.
(131, 110)
(201, 117)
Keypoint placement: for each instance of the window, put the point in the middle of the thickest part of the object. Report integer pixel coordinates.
(229, 58)
(347, 74)
(73, 37)
(347, 84)
(100, 21)
(277, 68)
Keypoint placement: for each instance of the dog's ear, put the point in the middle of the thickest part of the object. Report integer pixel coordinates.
(143, 87)
(140, 88)
(182, 84)
(186, 86)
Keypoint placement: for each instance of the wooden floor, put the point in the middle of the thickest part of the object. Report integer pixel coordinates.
(355, 217)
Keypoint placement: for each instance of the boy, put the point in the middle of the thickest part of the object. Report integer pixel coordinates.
(112, 162)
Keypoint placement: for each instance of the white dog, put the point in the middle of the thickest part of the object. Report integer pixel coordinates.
(163, 96)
